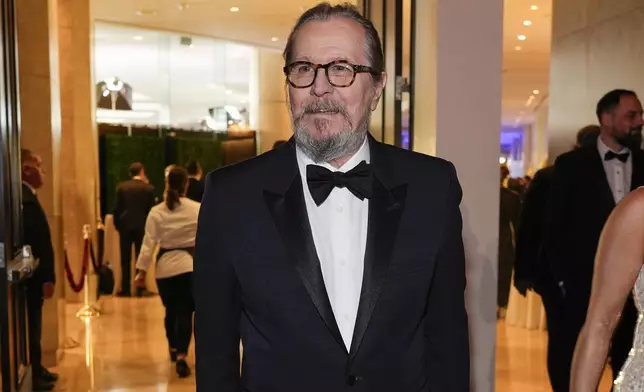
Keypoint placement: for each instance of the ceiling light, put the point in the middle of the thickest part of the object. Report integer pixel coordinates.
(517, 48)
(146, 12)
(522, 37)
(274, 39)
(535, 92)
(234, 9)
(503, 160)
(534, 8)
(137, 38)
(228, 92)
(527, 23)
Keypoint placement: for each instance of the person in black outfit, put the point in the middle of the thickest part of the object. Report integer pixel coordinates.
(195, 186)
(41, 285)
(134, 200)
(509, 211)
(586, 185)
(530, 269)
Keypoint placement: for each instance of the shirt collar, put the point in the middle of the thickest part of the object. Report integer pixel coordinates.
(603, 148)
(363, 154)
(31, 188)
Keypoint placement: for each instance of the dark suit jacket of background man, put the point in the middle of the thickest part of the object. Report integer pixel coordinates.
(257, 275)
(579, 204)
(195, 190)
(36, 234)
(134, 200)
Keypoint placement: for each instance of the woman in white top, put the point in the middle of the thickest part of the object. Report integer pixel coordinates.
(172, 225)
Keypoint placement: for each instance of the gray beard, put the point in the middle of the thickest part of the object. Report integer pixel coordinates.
(340, 145)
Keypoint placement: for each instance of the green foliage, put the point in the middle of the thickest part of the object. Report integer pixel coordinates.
(119, 152)
(206, 151)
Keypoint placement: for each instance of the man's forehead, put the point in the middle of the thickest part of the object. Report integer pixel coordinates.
(333, 35)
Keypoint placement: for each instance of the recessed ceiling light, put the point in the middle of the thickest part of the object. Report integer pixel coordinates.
(517, 48)
(137, 38)
(228, 92)
(535, 92)
(274, 39)
(234, 9)
(527, 23)
(534, 8)
(522, 37)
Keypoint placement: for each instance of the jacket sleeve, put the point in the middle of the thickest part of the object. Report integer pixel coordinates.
(118, 209)
(560, 197)
(38, 236)
(217, 297)
(446, 333)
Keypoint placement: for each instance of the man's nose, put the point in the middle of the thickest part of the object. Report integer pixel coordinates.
(321, 86)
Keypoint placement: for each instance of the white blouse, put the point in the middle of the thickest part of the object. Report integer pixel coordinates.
(170, 230)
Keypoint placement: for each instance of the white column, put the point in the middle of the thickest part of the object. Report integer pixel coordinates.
(273, 120)
(457, 89)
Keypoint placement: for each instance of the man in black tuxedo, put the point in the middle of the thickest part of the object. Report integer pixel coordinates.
(134, 200)
(338, 260)
(195, 184)
(40, 286)
(586, 185)
(531, 271)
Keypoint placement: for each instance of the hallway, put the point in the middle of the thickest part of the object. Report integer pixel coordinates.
(129, 353)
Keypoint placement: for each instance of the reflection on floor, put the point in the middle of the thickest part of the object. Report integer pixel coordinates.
(128, 352)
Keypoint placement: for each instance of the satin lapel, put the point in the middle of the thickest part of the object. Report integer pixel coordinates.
(385, 210)
(290, 216)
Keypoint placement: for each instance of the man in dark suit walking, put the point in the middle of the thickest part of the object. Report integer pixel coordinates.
(530, 269)
(41, 285)
(338, 260)
(195, 184)
(586, 185)
(134, 200)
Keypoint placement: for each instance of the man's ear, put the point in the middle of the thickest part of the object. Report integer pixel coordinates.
(378, 87)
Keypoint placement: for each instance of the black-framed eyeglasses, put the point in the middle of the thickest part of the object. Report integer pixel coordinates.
(302, 74)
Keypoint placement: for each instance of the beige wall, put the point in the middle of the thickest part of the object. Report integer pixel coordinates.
(273, 120)
(597, 46)
(458, 117)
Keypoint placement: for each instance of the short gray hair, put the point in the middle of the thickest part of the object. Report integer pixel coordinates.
(325, 11)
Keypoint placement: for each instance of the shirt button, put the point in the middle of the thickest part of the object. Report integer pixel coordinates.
(343, 263)
(346, 316)
(339, 209)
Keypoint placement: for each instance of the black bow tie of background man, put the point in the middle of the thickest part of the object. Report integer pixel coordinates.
(321, 181)
(612, 155)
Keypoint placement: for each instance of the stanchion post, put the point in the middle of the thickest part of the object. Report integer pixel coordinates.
(88, 310)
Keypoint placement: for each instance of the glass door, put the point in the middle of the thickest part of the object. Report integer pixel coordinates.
(392, 122)
(16, 263)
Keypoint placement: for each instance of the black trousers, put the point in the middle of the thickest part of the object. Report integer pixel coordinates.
(127, 239)
(176, 295)
(34, 330)
(565, 320)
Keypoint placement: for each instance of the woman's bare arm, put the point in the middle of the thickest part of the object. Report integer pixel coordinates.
(617, 265)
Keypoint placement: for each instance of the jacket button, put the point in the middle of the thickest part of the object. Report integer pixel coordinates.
(351, 380)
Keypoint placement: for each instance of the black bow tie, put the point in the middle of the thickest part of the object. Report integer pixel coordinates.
(321, 181)
(623, 157)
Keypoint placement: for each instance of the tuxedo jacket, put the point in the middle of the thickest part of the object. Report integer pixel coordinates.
(38, 236)
(257, 277)
(579, 205)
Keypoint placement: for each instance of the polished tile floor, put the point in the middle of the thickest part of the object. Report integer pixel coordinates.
(125, 350)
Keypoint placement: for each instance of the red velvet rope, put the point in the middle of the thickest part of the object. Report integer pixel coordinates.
(78, 287)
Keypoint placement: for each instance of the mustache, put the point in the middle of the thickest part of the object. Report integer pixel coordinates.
(324, 106)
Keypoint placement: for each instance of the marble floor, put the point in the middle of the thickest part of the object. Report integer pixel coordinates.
(125, 350)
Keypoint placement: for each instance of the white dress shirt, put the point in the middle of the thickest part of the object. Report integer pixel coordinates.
(170, 230)
(339, 227)
(618, 173)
